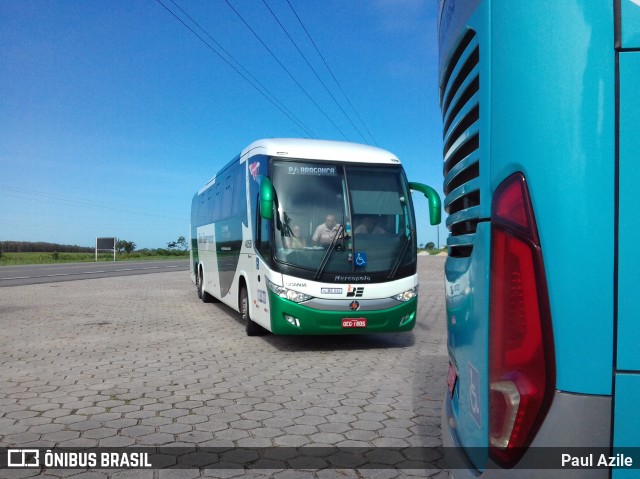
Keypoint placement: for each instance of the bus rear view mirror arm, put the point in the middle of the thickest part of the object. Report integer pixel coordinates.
(435, 213)
(266, 198)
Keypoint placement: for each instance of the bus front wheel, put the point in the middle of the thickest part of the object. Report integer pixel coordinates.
(252, 328)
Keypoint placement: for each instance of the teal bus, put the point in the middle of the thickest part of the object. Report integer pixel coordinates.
(310, 237)
(541, 122)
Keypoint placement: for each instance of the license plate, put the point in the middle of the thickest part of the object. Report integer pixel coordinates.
(452, 378)
(354, 322)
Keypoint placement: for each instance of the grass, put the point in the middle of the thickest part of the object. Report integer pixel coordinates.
(15, 259)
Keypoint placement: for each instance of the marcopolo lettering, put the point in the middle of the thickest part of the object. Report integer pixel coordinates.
(351, 279)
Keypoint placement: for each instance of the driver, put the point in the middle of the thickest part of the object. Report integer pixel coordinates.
(324, 234)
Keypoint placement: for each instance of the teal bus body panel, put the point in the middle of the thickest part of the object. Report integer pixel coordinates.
(630, 13)
(627, 378)
(548, 108)
(552, 113)
(629, 262)
(467, 305)
(627, 419)
(467, 310)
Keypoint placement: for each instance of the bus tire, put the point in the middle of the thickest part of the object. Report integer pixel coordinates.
(252, 328)
(202, 294)
(199, 283)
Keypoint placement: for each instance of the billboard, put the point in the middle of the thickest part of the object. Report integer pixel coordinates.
(106, 244)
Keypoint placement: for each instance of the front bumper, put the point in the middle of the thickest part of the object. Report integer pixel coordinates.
(312, 321)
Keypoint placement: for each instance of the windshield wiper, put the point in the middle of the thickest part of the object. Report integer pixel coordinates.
(401, 256)
(327, 255)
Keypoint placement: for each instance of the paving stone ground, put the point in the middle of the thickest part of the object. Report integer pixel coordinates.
(140, 361)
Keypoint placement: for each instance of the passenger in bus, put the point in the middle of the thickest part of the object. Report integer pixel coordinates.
(369, 225)
(324, 234)
(296, 240)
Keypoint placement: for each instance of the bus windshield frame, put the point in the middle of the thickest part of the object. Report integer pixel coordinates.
(342, 222)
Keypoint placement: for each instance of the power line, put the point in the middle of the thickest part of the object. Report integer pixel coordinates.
(331, 72)
(74, 201)
(286, 70)
(293, 117)
(313, 70)
(264, 91)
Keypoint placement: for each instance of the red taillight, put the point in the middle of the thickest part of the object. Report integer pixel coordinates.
(521, 358)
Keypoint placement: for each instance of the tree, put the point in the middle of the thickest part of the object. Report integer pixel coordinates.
(180, 243)
(123, 246)
(430, 245)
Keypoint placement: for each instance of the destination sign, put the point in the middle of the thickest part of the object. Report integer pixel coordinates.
(312, 170)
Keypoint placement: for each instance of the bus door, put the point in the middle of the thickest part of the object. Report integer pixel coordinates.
(257, 268)
(627, 374)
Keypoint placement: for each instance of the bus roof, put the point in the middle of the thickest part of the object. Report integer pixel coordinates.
(320, 150)
(317, 150)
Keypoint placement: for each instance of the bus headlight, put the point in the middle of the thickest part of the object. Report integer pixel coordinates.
(407, 295)
(290, 294)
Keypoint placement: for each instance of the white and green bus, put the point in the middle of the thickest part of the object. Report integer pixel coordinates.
(310, 237)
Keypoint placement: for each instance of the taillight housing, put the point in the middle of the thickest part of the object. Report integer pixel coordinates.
(521, 354)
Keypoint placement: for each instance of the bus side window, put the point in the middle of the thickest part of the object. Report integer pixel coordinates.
(216, 208)
(239, 204)
(227, 198)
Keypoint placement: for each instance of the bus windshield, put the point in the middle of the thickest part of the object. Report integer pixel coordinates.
(337, 219)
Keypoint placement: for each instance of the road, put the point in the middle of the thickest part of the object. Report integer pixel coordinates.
(139, 361)
(53, 273)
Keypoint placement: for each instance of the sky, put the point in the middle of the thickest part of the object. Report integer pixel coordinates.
(113, 114)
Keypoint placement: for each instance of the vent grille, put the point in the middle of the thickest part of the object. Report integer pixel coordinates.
(460, 104)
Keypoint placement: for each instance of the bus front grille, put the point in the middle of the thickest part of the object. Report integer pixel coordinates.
(460, 104)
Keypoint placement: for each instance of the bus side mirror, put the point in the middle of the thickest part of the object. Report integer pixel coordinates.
(266, 198)
(435, 213)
